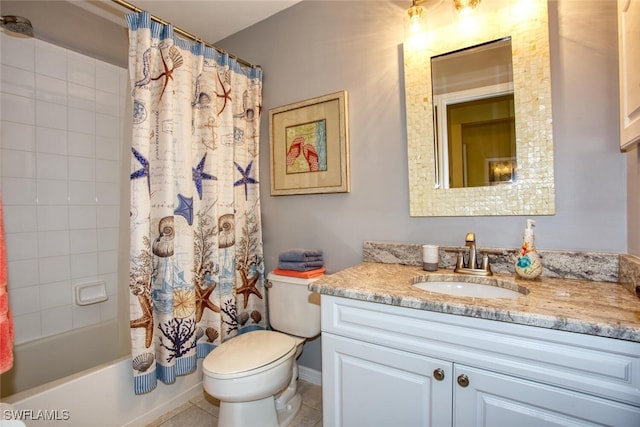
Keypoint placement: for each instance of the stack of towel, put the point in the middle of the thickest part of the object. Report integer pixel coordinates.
(304, 263)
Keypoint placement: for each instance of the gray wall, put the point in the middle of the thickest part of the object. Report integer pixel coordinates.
(319, 47)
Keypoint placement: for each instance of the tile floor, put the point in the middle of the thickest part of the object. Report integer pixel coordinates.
(203, 410)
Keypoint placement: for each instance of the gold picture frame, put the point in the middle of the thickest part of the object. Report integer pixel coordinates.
(309, 146)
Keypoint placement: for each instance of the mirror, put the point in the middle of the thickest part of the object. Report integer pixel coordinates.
(512, 177)
(474, 116)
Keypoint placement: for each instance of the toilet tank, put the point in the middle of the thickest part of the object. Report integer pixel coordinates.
(293, 309)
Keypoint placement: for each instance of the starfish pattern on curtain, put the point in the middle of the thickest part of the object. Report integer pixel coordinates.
(196, 262)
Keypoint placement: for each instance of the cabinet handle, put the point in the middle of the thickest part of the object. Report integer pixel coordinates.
(438, 374)
(463, 380)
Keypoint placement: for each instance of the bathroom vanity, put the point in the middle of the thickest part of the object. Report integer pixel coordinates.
(566, 353)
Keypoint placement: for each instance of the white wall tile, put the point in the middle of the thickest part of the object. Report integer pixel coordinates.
(22, 273)
(55, 294)
(51, 115)
(81, 69)
(108, 239)
(19, 191)
(82, 193)
(108, 216)
(83, 241)
(107, 262)
(54, 269)
(82, 168)
(20, 219)
(56, 320)
(82, 121)
(82, 217)
(81, 144)
(51, 60)
(17, 81)
(18, 136)
(109, 148)
(82, 97)
(109, 309)
(111, 280)
(52, 218)
(18, 109)
(18, 164)
(53, 244)
(27, 327)
(52, 141)
(51, 90)
(107, 171)
(51, 166)
(107, 193)
(25, 300)
(18, 52)
(108, 77)
(84, 265)
(86, 315)
(52, 192)
(108, 126)
(22, 246)
(108, 103)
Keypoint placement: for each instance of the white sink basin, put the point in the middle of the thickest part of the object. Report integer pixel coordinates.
(467, 289)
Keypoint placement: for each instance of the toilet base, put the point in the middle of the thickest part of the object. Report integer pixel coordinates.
(257, 413)
(287, 413)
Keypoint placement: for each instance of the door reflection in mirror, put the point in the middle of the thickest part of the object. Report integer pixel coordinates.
(474, 116)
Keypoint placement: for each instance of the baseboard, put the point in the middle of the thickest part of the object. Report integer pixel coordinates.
(310, 375)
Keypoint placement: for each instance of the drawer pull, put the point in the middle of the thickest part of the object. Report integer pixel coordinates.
(438, 374)
(463, 380)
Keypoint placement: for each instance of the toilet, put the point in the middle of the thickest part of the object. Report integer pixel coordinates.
(254, 374)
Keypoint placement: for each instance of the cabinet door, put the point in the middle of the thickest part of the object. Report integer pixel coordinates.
(629, 63)
(492, 399)
(369, 385)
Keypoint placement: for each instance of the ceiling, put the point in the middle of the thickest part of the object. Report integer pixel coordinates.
(82, 25)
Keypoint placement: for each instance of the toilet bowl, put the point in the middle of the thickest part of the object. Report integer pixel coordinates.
(254, 374)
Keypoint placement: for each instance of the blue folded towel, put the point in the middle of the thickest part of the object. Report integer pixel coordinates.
(301, 255)
(300, 265)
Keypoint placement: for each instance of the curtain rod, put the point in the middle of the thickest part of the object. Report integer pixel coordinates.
(182, 32)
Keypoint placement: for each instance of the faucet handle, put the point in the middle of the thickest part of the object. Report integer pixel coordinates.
(470, 238)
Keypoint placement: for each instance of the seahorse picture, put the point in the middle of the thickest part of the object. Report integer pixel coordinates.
(307, 147)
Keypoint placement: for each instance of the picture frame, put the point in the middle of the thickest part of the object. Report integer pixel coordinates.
(309, 146)
(501, 170)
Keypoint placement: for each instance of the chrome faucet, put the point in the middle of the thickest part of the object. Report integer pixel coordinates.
(472, 266)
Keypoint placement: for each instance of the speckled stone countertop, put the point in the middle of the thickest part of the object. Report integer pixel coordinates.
(599, 308)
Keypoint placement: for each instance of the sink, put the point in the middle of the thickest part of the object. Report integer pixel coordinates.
(470, 289)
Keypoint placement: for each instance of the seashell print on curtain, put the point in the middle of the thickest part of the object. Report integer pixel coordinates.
(196, 274)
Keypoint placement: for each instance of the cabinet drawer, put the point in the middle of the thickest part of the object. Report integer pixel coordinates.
(595, 365)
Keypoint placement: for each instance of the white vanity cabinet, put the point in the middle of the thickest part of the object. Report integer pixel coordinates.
(385, 365)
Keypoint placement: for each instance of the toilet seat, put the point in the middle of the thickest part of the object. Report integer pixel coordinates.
(249, 354)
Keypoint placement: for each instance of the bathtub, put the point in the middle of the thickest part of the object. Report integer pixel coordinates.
(102, 397)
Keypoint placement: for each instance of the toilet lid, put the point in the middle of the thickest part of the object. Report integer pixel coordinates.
(248, 351)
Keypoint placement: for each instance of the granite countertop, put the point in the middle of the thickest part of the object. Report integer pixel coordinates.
(599, 308)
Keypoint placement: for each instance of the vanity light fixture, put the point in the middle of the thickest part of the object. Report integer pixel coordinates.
(417, 17)
(465, 5)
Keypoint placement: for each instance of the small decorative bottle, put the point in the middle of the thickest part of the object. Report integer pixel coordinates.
(528, 264)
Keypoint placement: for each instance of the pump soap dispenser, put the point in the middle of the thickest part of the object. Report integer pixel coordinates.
(528, 265)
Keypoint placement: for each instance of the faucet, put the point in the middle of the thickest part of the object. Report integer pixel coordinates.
(472, 266)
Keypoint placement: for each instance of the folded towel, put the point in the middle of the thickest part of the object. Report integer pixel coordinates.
(300, 266)
(301, 274)
(301, 255)
(6, 324)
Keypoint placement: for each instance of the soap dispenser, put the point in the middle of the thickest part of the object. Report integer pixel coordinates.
(528, 263)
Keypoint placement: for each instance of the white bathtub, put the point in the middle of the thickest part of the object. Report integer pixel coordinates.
(102, 397)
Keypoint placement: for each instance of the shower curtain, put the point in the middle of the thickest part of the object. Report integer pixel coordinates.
(196, 274)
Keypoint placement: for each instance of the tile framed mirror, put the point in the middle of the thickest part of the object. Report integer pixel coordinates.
(498, 181)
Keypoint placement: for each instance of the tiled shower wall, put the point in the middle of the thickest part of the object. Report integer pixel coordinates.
(61, 140)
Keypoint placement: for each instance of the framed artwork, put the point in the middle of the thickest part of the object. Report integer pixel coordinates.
(309, 146)
(501, 170)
